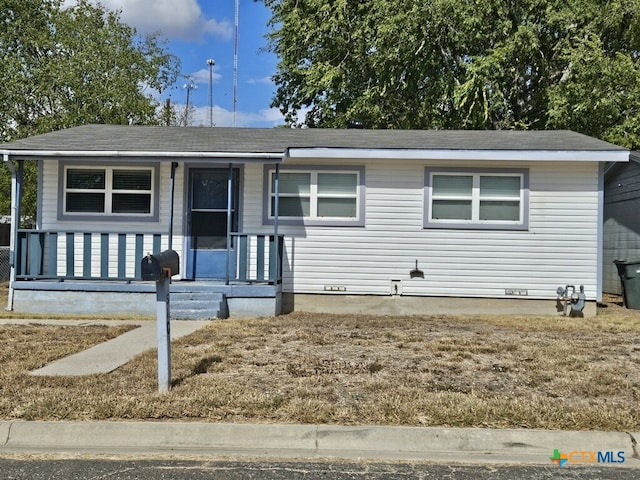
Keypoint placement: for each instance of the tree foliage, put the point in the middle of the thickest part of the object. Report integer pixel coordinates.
(67, 66)
(482, 64)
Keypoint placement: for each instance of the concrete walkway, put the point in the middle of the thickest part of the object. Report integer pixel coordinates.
(106, 357)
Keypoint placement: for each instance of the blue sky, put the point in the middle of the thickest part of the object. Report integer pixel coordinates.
(197, 30)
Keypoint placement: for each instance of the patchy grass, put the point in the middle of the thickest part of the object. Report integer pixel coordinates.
(31, 346)
(472, 371)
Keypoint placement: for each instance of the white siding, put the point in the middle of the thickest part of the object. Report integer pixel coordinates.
(559, 248)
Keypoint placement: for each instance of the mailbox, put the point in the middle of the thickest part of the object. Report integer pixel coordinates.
(160, 265)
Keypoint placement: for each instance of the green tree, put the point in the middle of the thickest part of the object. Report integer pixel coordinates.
(483, 64)
(62, 67)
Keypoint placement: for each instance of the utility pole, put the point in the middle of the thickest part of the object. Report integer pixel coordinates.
(211, 62)
(167, 112)
(188, 87)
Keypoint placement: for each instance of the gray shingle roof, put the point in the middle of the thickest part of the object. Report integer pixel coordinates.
(97, 138)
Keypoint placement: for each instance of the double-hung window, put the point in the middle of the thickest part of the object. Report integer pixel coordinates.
(484, 199)
(317, 196)
(112, 191)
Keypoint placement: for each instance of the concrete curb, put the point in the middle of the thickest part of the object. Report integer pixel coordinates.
(464, 445)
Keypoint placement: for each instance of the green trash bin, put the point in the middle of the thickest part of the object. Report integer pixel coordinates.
(629, 272)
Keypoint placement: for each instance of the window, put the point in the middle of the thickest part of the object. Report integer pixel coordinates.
(317, 196)
(108, 191)
(492, 199)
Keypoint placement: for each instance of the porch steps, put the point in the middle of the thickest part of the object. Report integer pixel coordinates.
(197, 304)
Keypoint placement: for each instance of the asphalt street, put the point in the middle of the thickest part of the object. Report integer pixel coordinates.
(83, 469)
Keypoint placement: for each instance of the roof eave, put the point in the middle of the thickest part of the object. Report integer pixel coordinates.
(270, 157)
(617, 155)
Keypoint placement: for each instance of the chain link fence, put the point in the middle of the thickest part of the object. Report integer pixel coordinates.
(5, 268)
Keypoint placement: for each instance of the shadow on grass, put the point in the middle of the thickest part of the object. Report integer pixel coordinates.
(201, 367)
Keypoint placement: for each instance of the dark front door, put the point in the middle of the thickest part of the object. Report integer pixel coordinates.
(208, 218)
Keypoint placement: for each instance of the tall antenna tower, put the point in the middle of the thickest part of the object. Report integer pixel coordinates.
(235, 61)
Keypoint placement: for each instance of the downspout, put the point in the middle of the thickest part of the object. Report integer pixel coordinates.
(229, 199)
(600, 236)
(172, 184)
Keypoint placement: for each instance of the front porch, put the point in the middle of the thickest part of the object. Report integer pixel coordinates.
(98, 273)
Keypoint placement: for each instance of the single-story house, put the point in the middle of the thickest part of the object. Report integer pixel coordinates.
(621, 218)
(332, 220)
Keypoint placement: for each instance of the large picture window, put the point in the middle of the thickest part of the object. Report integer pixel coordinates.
(317, 196)
(488, 198)
(108, 191)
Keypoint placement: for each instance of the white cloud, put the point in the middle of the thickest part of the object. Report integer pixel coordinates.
(183, 19)
(264, 80)
(149, 91)
(224, 118)
(270, 115)
(202, 76)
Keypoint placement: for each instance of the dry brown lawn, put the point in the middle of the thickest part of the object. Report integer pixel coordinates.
(474, 371)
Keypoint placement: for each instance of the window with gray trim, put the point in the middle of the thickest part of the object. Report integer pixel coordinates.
(108, 191)
(487, 198)
(324, 196)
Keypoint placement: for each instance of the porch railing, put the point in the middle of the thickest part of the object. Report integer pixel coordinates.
(82, 255)
(88, 255)
(258, 257)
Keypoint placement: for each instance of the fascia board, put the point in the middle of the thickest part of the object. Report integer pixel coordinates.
(447, 154)
(192, 156)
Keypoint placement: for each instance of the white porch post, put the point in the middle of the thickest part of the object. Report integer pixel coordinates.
(16, 201)
(229, 223)
(276, 212)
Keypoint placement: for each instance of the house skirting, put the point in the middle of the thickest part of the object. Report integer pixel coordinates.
(414, 305)
(111, 299)
(108, 299)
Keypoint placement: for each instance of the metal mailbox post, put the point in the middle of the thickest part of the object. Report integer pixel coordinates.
(160, 267)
